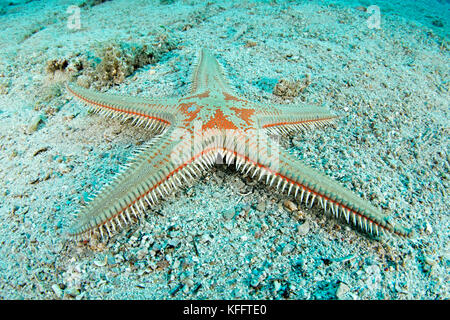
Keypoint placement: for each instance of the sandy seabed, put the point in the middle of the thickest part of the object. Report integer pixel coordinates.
(389, 85)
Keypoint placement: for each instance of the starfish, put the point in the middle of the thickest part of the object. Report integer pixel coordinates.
(211, 122)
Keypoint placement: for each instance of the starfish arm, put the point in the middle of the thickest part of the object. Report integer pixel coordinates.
(288, 173)
(287, 119)
(156, 113)
(208, 74)
(152, 175)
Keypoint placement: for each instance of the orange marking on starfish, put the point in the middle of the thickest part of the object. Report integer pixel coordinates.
(229, 97)
(117, 109)
(244, 114)
(191, 111)
(282, 123)
(219, 121)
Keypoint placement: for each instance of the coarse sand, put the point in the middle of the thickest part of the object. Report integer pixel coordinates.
(228, 237)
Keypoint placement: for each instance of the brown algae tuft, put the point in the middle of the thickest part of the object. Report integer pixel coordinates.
(118, 60)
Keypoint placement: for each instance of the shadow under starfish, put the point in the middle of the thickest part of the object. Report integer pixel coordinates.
(194, 130)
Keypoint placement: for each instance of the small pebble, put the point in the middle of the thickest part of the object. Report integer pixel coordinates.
(277, 286)
(173, 243)
(228, 214)
(430, 261)
(250, 44)
(261, 206)
(303, 229)
(84, 81)
(287, 249)
(100, 263)
(188, 282)
(72, 292)
(228, 225)
(141, 254)
(80, 296)
(342, 291)
(254, 282)
(290, 206)
(57, 290)
(429, 229)
(205, 238)
(34, 123)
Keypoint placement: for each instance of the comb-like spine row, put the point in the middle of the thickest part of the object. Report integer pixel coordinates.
(308, 195)
(287, 127)
(149, 197)
(154, 121)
